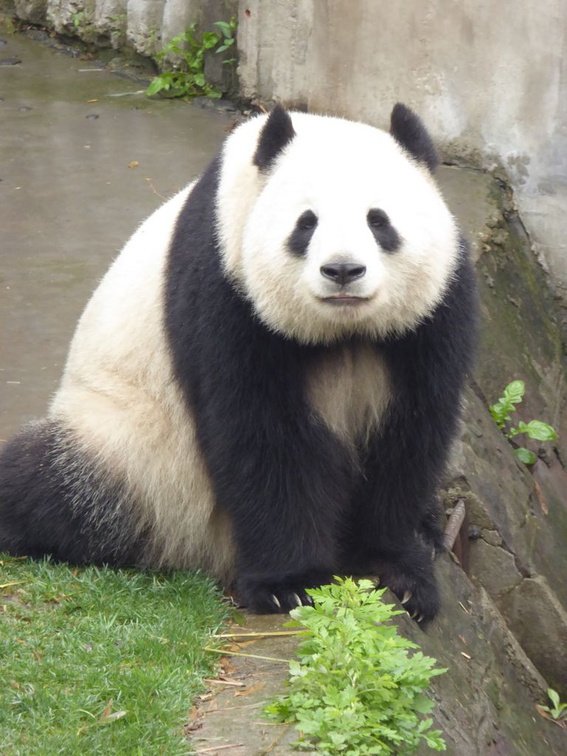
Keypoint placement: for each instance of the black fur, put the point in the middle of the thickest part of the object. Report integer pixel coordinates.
(54, 500)
(384, 233)
(408, 130)
(276, 134)
(301, 507)
(301, 235)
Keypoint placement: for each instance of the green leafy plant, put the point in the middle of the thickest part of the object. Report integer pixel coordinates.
(228, 32)
(536, 429)
(558, 710)
(355, 689)
(187, 78)
(78, 19)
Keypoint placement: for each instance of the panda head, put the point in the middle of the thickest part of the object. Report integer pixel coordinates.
(334, 229)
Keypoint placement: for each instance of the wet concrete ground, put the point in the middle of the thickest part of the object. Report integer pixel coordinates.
(71, 195)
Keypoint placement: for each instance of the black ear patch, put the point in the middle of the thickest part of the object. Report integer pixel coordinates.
(410, 133)
(276, 134)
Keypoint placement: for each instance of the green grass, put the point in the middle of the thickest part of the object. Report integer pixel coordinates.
(96, 661)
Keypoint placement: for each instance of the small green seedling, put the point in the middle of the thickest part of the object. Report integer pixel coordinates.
(536, 429)
(559, 710)
(78, 19)
(355, 689)
(187, 79)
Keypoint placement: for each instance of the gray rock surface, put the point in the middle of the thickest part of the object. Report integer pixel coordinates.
(521, 557)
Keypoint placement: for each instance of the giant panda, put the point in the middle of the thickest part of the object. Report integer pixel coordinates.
(267, 381)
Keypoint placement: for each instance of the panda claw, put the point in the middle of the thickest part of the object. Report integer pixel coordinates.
(297, 599)
(420, 618)
(413, 615)
(407, 597)
(276, 601)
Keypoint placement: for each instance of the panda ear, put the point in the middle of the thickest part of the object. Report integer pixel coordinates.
(410, 133)
(277, 133)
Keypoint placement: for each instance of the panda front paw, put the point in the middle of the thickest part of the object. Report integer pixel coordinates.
(277, 595)
(410, 576)
(419, 599)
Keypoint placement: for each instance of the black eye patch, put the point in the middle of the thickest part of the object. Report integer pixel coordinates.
(384, 233)
(302, 233)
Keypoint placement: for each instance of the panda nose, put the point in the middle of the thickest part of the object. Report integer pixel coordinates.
(343, 273)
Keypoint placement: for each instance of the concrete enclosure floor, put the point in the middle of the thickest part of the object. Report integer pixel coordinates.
(84, 158)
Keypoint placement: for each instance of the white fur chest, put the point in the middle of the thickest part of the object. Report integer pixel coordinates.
(348, 386)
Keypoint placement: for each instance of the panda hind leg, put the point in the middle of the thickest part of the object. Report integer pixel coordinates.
(56, 500)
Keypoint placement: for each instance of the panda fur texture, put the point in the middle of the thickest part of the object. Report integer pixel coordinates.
(267, 381)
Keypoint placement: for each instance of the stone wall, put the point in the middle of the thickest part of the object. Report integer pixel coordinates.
(144, 25)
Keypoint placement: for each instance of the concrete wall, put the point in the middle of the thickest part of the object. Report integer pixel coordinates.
(488, 76)
(144, 25)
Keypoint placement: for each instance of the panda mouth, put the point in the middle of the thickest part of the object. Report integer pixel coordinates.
(344, 300)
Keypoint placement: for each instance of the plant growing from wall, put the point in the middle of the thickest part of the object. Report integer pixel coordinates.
(557, 711)
(84, 26)
(355, 689)
(187, 76)
(536, 429)
(79, 19)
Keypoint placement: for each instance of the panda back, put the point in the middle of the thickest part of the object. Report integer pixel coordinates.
(120, 401)
(122, 324)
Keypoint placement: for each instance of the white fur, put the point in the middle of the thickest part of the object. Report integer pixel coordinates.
(349, 388)
(339, 170)
(119, 397)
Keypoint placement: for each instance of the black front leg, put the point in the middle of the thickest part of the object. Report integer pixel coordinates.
(281, 475)
(283, 478)
(396, 532)
(285, 482)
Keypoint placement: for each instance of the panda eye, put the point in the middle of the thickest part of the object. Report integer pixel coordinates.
(385, 234)
(377, 218)
(302, 234)
(307, 221)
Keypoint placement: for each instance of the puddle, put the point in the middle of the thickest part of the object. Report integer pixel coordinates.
(76, 178)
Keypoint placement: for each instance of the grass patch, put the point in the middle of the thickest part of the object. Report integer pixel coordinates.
(100, 661)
